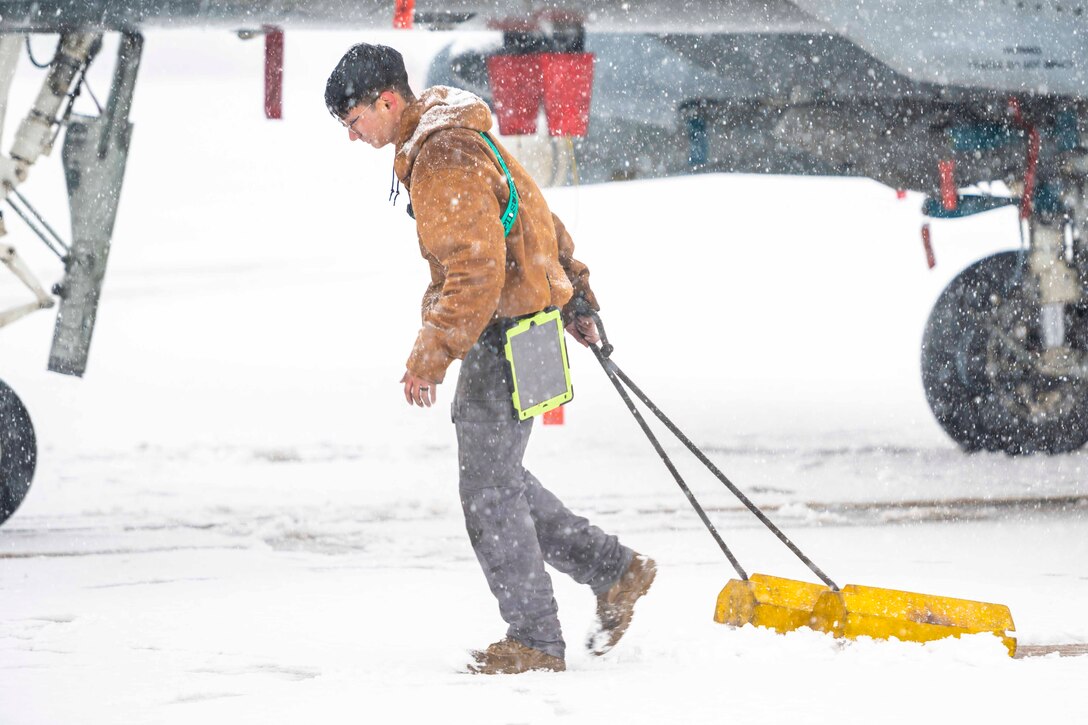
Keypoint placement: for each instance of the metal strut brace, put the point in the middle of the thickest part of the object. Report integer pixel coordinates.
(44, 232)
(20, 270)
(33, 139)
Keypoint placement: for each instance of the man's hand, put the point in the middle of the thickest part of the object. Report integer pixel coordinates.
(418, 391)
(584, 330)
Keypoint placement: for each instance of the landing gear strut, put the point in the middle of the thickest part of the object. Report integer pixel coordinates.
(1005, 351)
(94, 156)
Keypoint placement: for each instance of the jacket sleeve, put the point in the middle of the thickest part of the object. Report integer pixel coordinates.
(457, 217)
(577, 273)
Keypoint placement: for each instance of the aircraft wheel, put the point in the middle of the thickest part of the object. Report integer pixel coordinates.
(981, 364)
(18, 452)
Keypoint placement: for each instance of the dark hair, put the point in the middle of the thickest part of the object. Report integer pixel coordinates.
(363, 74)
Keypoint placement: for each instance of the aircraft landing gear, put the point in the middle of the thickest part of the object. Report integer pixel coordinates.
(1005, 352)
(18, 452)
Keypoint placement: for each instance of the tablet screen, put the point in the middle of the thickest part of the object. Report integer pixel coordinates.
(538, 360)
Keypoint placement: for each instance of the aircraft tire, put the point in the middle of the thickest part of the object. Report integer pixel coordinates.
(986, 394)
(18, 452)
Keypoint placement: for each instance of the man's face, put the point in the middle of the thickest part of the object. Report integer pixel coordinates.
(376, 122)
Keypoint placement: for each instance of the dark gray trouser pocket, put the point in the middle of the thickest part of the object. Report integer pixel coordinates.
(514, 523)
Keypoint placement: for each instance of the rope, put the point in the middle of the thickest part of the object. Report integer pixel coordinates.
(617, 375)
(611, 370)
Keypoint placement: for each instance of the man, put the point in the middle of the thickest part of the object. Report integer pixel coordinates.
(480, 277)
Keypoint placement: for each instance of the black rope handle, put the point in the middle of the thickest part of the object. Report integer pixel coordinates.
(619, 379)
(609, 370)
(579, 307)
(721, 477)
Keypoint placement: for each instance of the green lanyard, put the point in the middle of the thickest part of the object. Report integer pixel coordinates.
(511, 214)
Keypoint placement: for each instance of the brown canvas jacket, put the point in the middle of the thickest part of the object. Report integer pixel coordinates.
(458, 192)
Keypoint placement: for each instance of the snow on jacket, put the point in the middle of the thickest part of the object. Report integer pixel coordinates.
(458, 193)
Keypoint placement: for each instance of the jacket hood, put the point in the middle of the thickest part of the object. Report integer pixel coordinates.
(437, 108)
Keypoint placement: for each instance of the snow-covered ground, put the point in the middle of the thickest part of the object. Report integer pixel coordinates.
(237, 519)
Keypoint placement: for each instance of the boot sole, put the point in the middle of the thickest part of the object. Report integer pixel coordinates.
(482, 670)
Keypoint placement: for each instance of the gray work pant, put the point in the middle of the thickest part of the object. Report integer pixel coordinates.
(514, 523)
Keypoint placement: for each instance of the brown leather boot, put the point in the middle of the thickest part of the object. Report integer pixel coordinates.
(616, 607)
(510, 657)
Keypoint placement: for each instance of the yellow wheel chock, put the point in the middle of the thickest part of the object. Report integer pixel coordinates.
(785, 605)
(858, 611)
(768, 601)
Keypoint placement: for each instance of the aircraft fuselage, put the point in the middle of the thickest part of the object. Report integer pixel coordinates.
(1038, 48)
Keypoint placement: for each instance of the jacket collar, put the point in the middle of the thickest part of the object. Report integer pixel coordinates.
(437, 108)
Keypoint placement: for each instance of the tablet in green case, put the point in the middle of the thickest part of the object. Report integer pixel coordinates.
(537, 354)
